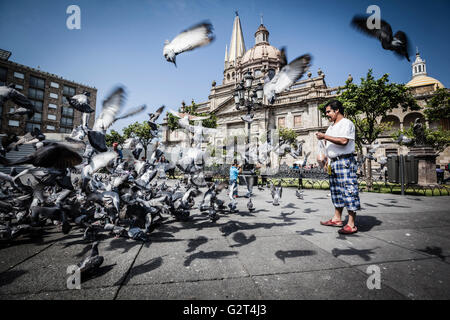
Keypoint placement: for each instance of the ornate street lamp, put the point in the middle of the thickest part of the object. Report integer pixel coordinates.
(245, 95)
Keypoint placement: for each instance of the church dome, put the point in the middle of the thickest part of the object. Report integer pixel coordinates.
(261, 51)
(423, 80)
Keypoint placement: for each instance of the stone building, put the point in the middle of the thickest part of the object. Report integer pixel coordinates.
(297, 107)
(422, 87)
(48, 93)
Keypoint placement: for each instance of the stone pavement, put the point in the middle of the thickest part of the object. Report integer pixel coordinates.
(273, 253)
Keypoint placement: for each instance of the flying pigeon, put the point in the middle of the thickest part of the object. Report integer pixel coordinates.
(153, 117)
(21, 111)
(9, 93)
(81, 102)
(194, 37)
(248, 118)
(402, 139)
(398, 43)
(287, 76)
(111, 107)
(52, 155)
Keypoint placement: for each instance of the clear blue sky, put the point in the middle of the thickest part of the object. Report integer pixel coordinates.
(122, 41)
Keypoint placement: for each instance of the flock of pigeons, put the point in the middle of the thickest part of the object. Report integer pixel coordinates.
(81, 183)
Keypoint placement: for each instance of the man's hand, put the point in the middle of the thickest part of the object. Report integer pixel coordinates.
(320, 135)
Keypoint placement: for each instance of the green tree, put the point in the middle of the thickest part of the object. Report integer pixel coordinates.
(114, 136)
(211, 122)
(438, 138)
(371, 100)
(140, 131)
(287, 135)
(439, 106)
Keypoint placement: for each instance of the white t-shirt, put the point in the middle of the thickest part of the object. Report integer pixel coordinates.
(343, 129)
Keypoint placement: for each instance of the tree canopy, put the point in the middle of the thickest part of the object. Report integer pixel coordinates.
(371, 100)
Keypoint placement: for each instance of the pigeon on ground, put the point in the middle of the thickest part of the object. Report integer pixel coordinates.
(286, 77)
(250, 206)
(194, 37)
(81, 102)
(299, 194)
(398, 43)
(91, 263)
(276, 192)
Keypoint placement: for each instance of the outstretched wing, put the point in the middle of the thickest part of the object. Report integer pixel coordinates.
(132, 112)
(111, 107)
(101, 160)
(359, 22)
(56, 156)
(288, 75)
(194, 37)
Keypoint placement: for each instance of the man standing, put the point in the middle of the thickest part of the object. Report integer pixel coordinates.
(234, 172)
(342, 167)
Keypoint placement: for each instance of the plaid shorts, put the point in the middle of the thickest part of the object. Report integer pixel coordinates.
(344, 184)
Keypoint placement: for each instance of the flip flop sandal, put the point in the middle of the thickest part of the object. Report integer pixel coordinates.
(348, 230)
(331, 223)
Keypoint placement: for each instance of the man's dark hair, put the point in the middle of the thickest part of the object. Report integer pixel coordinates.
(335, 105)
(235, 162)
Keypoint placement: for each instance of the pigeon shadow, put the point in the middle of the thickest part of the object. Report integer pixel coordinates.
(434, 251)
(145, 267)
(392, 205)
(98, 273)
(193, 244)
(290, 206)
(233, 226)
(308, 232)
(121, 243)
(309, 210)
(242, 239)
(208, 255)
(9, 276)
(370, 205)
(363, 253)
(282, 255)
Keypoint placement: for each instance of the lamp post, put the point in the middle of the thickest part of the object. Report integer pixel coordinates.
(250, 98)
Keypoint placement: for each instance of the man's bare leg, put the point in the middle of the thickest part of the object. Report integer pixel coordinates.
(351, 218)
(337, 214)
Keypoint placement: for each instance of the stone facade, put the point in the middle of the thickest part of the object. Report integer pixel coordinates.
(51, 95)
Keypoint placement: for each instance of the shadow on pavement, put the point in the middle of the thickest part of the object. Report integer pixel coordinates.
(282, 255)
(9, 276)
(208, 255)
(242, 239)
(363, 253)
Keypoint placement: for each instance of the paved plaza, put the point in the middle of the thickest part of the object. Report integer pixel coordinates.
(272, 253)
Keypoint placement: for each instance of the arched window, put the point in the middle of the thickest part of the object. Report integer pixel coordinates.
(228, 76)
(395, 124)
(409, 119)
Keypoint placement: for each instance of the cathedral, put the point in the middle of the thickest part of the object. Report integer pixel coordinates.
(296, 108)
